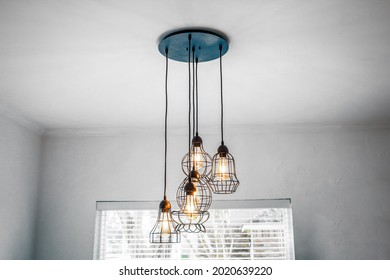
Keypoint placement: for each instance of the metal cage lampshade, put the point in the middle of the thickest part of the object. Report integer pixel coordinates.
(194, 225)
(223, 178)
(203, 194)
(164, 230)
(190, 218)
(200, 160)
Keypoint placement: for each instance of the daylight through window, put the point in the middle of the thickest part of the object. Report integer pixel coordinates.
(251, 229)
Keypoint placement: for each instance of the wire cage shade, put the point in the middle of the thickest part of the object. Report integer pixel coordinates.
(223, 178)
(192, 224)
(164, 230)
(203, 194)
(199, 159)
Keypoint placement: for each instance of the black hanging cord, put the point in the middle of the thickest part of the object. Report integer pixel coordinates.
(166, 124)
(189, 106)
(193, 92)
(196, 81)
(220, 71)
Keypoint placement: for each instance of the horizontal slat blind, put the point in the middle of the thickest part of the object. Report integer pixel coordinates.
(247, 233)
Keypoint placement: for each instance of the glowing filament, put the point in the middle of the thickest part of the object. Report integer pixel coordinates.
(165, 227)
(190, 208)
(196, 158)
(222, 169)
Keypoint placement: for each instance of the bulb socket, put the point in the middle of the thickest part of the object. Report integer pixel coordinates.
(165, 205)
(190, 188)
(197, 141)
(195, 176)
(222, 150)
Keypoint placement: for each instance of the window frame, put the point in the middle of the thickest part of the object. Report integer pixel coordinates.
(217, 204)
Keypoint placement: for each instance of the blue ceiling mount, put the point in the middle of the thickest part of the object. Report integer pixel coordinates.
(205, 42)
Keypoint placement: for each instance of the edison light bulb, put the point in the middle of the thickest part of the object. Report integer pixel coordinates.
(222, 169)
(165, 230)
(191, 209)
(197, 158)
(197, 198)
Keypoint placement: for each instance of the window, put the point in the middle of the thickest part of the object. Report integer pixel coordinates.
(250, 229)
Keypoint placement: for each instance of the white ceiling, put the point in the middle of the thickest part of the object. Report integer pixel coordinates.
(95, 64)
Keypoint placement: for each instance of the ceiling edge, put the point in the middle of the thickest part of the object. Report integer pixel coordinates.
(11, 113)
(234, 129)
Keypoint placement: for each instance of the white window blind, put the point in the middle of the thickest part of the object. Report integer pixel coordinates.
(250, 229)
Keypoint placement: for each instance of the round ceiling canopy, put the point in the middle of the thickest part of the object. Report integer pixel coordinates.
(206, 45)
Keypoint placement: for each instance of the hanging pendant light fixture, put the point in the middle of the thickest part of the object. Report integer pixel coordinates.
(223, 178)
(194, 199)
(203, 194)
(190, 217)
(165, 228)
(201, 160)
(204, 174)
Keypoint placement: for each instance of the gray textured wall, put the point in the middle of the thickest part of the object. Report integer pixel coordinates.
(20, 150)
(337, 177)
